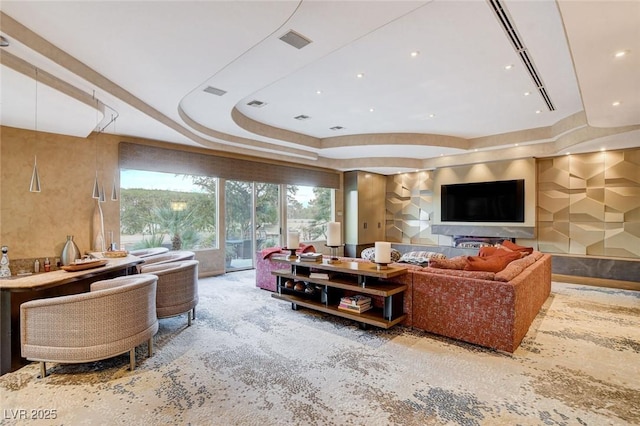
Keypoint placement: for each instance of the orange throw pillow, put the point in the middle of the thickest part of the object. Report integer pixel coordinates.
(515, 247)
(487, 251)
(458, 262)
(494, 263)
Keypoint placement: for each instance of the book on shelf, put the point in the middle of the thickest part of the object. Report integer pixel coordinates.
(319, 275)
(356, 300)
(358, 309)
(310, 257)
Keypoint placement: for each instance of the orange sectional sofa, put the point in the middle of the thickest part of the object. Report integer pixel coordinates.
(493, 310)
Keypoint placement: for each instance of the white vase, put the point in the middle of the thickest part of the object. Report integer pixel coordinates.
(97, 228)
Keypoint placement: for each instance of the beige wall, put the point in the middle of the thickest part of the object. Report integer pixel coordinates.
(583, 204)
(36, 224)
(589, 204)
(486, 172)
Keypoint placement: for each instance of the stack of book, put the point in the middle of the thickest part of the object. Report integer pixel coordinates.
(320, 275)
(310, 257)
(357, 303)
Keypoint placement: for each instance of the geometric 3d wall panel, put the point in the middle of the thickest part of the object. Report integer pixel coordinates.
(589, 204)
(409, 208)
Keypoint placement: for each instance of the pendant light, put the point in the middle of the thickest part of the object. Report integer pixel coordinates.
(96, 188)
(114, 191)
(35, 177)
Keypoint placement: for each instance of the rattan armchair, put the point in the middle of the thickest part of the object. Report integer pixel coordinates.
(177, 288)
(146, 252)
(170, 256)
(113, 318)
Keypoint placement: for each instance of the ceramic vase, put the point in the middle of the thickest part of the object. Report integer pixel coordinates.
(70, 252)
(97, 226)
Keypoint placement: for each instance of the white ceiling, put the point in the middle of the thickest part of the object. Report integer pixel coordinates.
(149, 62)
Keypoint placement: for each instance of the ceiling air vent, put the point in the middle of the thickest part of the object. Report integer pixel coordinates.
(302, 117)
(336, 128)
(256, 104)
(214, 91)
(516, 40)
(294, 39)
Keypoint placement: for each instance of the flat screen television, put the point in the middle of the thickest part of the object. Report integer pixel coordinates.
(499, 201)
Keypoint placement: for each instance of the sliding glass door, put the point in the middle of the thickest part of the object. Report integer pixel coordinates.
(252, 221)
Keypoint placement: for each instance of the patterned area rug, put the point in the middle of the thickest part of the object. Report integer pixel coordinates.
(248, 359)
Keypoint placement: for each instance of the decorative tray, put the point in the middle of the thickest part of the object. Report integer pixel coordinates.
(85, 265)
(115, 253)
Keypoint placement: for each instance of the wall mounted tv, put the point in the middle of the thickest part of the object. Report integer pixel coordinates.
(499, 201)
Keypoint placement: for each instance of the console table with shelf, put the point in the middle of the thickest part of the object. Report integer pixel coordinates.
(345, 278)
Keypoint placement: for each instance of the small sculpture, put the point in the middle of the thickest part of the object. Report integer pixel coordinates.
(4, 263)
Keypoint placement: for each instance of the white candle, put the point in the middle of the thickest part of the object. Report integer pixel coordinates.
(382, 252)
(333, 234)
(293, 239)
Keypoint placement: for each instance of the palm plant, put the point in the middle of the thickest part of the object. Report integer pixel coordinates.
(175, 222)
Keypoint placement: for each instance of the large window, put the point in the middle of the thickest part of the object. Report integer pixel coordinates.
(177, 211)
(309, 209)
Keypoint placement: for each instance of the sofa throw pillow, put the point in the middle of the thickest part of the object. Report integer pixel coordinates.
(496, 251)
(457, 262)
(370, 254)
(515, 247)
(420, 257)
(487, 251)
(490, 263)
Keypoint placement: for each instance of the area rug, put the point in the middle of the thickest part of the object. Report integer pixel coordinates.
(249, 359)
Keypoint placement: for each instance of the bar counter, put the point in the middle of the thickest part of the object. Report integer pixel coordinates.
(19, 289)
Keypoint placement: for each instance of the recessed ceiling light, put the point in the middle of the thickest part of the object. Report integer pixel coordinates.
(360, 75)
(4, 42)
(508, 67)
(371, 109)
(415, 53)
(568, 153)
(336, 128)
(527, 93)
(538, 111)
(318, 92)
(515, 144)
(441, 155)
(603, 149)
(621, 53)
(302, 117)
(616, 103)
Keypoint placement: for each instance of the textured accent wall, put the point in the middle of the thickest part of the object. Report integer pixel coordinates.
(589, 204)
(409, 208)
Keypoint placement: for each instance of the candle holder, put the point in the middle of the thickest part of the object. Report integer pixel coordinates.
(334, 255)
(381, 266)
(292, 251)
